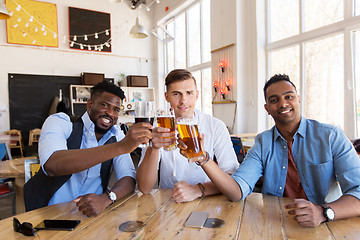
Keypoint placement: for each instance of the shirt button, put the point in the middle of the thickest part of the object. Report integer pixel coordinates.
(284, 146)
(280, 188)
(283, 167)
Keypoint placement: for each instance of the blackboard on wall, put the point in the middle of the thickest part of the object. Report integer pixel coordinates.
(31, 96)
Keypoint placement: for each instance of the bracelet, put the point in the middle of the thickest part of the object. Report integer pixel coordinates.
(202, 188)
(207, 157)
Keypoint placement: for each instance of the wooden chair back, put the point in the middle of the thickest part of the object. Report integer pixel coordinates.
(34, 135)
(16, 143)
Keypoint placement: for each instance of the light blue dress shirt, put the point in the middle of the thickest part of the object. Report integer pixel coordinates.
(324, 157)
(54, 133)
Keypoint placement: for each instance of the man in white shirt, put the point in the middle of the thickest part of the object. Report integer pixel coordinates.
(187, 179)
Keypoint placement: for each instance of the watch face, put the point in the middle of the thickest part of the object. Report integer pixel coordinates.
(112, 196)
(330, 214)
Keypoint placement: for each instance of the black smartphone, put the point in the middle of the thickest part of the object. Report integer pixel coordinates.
(54, 224)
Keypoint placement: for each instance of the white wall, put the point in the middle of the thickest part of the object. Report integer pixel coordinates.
(129, 55)
(234, 21)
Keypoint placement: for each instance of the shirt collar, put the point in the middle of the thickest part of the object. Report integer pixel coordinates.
(301, 130)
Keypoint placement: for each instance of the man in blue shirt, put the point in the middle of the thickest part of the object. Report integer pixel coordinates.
(312, 163)
(84, 165)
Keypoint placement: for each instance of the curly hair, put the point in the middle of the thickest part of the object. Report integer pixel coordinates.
(106, 86)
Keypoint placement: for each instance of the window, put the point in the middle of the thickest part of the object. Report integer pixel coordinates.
(356, 37)
(307, 40)
(191, 31)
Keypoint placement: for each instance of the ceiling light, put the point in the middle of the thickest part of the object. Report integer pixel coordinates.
(138, 31)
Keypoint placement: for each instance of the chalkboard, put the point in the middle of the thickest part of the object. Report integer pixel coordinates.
(30, 98)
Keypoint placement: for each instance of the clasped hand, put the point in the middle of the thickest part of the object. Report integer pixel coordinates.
(306, 213)
(92, 204)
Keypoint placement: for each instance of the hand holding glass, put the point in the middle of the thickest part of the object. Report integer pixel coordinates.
(144, 112)
(166, 118)
(188, 129)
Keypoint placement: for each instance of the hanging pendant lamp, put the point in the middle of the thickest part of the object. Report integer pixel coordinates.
(138, 31)
(4, 14)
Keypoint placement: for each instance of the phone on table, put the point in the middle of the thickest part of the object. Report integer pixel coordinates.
(196, 219)
(54, 224)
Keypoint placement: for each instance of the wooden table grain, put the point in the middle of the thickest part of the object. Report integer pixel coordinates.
(257, 217)
(15, 169)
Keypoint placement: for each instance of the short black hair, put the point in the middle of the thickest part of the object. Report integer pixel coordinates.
(106, 86)
(178, 75)
(277, 78)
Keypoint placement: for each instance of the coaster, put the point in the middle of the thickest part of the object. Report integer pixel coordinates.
(214, 223)
(131, 226)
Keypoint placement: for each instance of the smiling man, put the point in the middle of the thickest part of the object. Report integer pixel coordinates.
(76, 157)
(312, 163)
(187, 180)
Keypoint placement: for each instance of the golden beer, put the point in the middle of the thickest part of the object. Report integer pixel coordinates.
(167, 122)
(190, 135)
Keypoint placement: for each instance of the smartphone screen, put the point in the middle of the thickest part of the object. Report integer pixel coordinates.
(196, 219)
(53, 224)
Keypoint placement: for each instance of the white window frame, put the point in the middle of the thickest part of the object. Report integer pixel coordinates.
(199, 67)
(349, 24)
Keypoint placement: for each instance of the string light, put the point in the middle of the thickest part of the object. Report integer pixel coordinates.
(148, 6)
(45, 30)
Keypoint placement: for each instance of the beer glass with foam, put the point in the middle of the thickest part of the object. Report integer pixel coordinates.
(165, 118)
(189, 132)
(144, 112)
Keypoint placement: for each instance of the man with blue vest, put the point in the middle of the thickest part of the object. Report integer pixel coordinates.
(76, 157)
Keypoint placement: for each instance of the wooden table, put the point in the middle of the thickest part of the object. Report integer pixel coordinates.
(15, 169)
(257, 217)
(8, 138)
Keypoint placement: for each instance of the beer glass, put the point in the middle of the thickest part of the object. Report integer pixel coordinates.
(165, 118)
(188, 129)
(144, 112)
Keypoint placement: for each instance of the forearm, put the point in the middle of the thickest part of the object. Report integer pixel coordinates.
(223, 182)
(123, 186)
(345, 207)
(65, 162)
(147, 173)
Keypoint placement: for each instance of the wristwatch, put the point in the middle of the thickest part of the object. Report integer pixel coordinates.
(328, 213)
(111, 195)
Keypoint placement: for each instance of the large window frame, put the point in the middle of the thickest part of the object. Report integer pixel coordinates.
(347, 27)
(198, 69)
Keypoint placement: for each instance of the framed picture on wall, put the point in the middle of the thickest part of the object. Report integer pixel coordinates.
(32, 23)
(89, 30)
